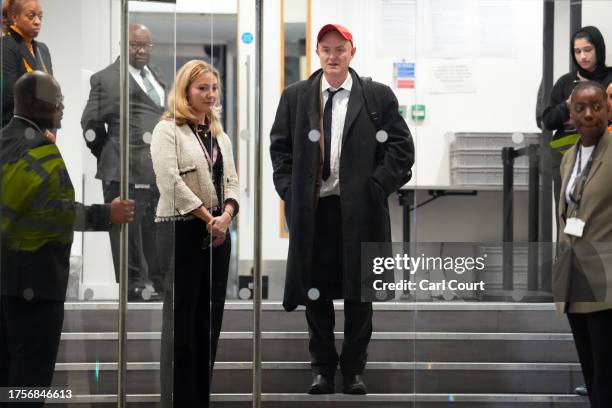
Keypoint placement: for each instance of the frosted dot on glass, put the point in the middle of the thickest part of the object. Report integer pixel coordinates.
(314, 135)
(382, 136)
(313, 294)
(90, 135)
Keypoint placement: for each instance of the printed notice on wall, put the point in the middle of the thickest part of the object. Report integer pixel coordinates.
(397, 28)
(452, 76)
(497, 24)
(471, 28)
(403, 74)
(448, 25)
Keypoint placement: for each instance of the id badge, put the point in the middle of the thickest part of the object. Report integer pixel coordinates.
(574, 226)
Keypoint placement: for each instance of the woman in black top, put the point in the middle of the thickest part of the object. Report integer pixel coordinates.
(21, 53)
(588, 51)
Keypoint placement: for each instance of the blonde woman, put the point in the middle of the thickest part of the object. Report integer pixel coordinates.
(198, 185)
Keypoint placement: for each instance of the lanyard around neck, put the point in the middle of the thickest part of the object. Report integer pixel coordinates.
(215, 150)
(581, 174)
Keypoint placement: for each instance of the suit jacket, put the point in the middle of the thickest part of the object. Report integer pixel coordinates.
(14, 52)
(369, 172)
(583, 264)
(183, 174)
(101, 115)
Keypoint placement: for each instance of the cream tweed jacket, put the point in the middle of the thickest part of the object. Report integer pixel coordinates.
(182, 173)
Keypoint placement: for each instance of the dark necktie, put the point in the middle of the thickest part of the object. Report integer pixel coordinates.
(149, 87)
(327, 122)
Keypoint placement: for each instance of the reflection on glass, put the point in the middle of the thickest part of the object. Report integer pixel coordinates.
(193, 161)
(295, 60)
(40, 212)
(101, 126)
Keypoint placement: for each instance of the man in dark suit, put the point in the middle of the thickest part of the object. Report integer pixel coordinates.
(335, 172)
(100, 123)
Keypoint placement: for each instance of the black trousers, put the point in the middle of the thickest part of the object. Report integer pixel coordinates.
(193, 312)
(327, 278)
(29, 339)
(593, 338)
(143, 262)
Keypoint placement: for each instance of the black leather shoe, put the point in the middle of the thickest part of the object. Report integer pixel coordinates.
(581, 390)
(321, 385)
(353, 384)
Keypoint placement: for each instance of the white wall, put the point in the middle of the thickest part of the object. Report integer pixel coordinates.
(597, 13)
(505, 87)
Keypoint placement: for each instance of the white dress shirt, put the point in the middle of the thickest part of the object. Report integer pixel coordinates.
(586, 152)
(138, 78)
(331, 186)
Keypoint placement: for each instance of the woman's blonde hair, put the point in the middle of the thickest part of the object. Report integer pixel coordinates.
(179, 108)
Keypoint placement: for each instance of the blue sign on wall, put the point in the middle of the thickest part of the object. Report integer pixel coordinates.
(247, 38)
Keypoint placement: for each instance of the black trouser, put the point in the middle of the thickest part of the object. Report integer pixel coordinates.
(327, 278)
(357, 332)
(30, 333)
(593, 337)
(143, 264)
(193, 315)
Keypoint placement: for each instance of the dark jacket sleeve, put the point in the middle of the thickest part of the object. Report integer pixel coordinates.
(281, 146)
(393, 170)
(95, 217)
(46, 56)
(557, 112)
(11, 58)
(94, 116)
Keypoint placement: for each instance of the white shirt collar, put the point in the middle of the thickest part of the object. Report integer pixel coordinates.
(347, 84)
(136, 71)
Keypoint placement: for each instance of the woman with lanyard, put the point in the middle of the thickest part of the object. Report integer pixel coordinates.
(199, 193)
(585, 239)
(21, 53)
(588, 51)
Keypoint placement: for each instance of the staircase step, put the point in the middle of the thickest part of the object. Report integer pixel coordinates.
(392, 316)
(294, 377)
(385, 346)
(438, 400)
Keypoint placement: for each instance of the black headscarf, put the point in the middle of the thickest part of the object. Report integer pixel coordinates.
(594, 37)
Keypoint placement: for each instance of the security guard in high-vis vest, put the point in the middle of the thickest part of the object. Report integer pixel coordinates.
(38, 215)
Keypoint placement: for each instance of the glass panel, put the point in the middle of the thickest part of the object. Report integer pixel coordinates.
(329, 224)
(233, 370)
(151, 272)
(479, 311)
(58, 313)
(197, 140)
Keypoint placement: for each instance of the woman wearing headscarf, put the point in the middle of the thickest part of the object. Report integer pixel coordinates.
(588, 51)
(199, 193)
(580, 277)
(21, 53)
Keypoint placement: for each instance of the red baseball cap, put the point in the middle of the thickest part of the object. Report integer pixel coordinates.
(344, 32)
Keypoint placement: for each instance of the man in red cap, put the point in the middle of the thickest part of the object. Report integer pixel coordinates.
(335, 163)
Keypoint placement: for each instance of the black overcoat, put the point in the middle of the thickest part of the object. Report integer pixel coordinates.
(369, 172)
